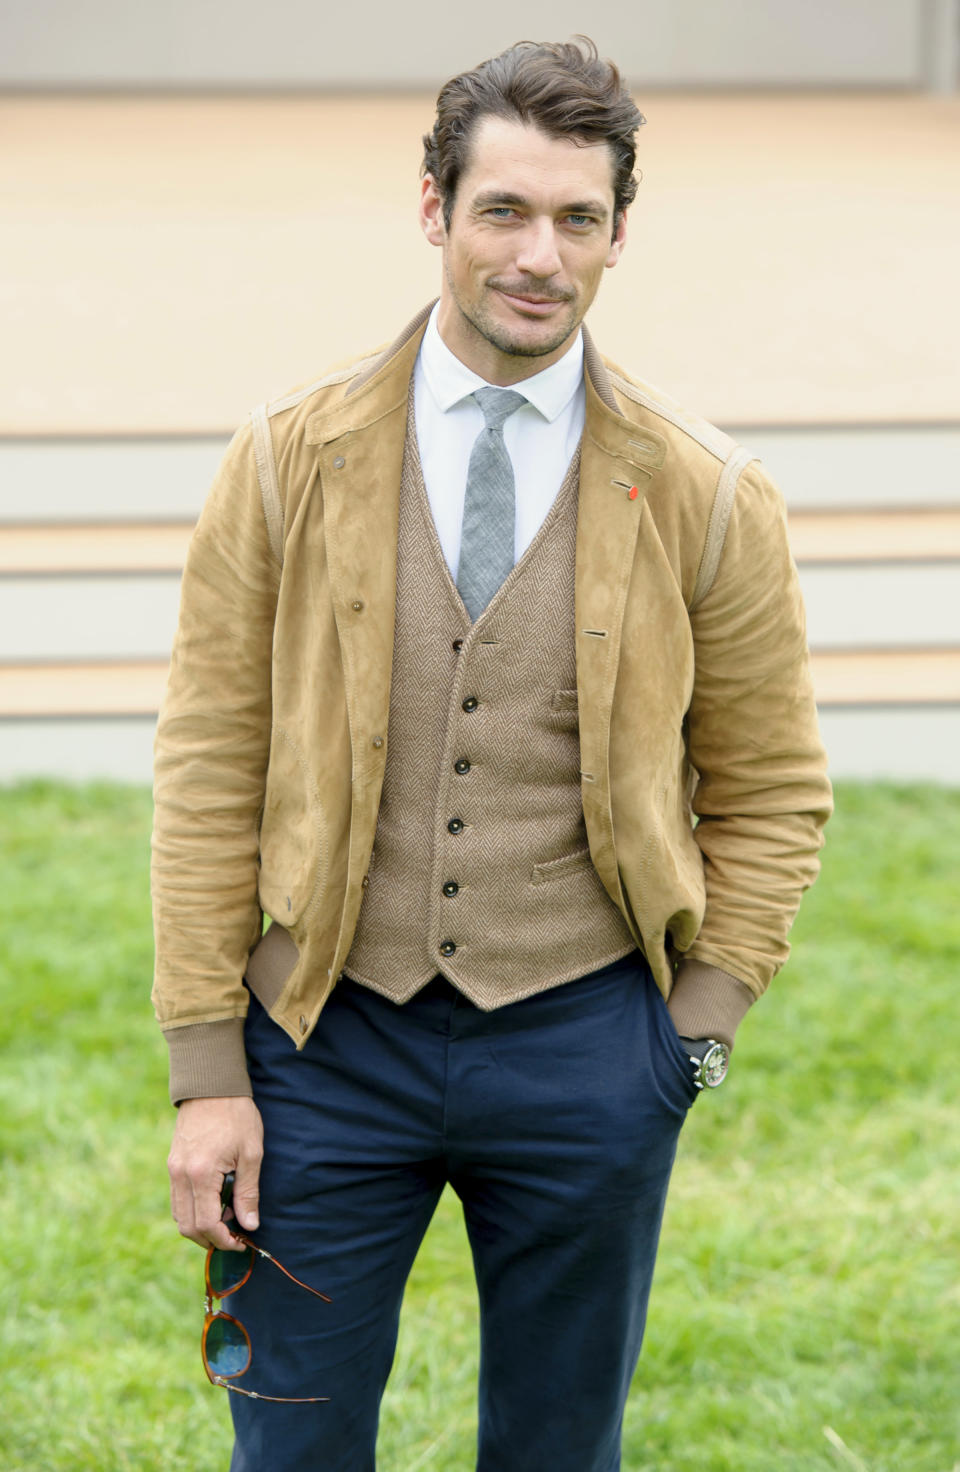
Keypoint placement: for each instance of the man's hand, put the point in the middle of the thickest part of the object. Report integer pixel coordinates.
(211, 1137)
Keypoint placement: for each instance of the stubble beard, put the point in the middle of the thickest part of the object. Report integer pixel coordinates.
(500, 337)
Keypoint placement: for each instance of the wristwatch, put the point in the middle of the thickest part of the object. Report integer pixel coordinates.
(710, 1061)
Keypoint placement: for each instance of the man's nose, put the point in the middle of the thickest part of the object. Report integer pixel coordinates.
(538, 254)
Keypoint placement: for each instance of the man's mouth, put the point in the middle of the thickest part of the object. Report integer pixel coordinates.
(537, 303)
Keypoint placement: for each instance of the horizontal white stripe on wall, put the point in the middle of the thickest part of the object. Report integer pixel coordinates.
(77, 480)
(87, 617)
(298, 42)
(884, 606)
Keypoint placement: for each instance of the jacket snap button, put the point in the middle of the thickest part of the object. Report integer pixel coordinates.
(457, 645)
(357, 605)
(447, 947)
(451, 888)
(378, 742)
(461, 767)
(339, 463)
(303, 1024)
(455, 825)
(470, 703)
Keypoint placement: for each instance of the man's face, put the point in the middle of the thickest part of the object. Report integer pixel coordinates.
(528, 240)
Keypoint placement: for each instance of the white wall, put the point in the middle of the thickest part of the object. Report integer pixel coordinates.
(907, 43)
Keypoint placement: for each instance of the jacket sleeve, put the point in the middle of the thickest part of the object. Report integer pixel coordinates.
(762, 794)
(211, 753)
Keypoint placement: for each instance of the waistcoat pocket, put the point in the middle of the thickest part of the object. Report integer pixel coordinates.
(560, 868)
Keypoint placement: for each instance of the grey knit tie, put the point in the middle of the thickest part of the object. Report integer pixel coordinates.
(489, 507)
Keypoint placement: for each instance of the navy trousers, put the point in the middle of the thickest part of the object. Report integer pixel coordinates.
(554, 1119)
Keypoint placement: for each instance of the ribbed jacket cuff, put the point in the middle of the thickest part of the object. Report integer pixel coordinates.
(708, 1003)
(208, 1060)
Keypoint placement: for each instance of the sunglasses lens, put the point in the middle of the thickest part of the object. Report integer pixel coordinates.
(226, 1347)
(227, 1270)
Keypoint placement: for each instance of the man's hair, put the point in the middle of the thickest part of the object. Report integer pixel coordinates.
(560, 87)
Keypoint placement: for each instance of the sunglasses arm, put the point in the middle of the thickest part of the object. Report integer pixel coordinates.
(283, 1400)
(262, 1252)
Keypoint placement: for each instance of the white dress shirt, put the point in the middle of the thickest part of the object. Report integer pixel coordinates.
(540, 437)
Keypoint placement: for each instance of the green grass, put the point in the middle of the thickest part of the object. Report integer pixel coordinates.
(806, 1311)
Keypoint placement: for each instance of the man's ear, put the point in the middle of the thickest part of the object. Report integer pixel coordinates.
(619, 239)
(431, 211)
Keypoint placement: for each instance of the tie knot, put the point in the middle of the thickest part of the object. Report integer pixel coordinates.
(497, 404)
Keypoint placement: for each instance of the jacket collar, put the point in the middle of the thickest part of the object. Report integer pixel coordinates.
(379, 389)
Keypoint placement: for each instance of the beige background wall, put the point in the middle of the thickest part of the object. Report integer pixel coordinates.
(169, 262)
(906, 43)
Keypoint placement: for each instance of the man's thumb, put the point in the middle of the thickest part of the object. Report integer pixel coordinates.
(246, 1200)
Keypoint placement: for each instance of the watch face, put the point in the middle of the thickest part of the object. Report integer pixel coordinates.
(715, 1064)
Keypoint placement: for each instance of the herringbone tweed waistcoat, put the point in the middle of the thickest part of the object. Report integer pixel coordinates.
(481, 869)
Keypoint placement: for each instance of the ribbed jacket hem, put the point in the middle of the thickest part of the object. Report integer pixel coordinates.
(208, 1061)
(708, 1003)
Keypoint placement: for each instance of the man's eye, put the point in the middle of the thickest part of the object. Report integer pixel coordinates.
(500, 211)
(578, 220)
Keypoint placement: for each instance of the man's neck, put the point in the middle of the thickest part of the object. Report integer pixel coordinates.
(476, 352)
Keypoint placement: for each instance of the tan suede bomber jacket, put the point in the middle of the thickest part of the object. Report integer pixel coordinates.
(694, 694)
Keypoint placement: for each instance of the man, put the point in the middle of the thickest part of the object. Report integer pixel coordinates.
(469, 633)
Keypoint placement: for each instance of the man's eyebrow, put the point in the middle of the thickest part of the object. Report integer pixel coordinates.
(490, 198)
(494, 197)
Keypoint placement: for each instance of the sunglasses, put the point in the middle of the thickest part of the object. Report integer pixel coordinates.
(225, 1345)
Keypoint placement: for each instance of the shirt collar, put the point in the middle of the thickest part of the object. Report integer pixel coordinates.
(450, 381)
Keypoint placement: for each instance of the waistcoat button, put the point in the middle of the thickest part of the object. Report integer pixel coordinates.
(455, 825)
(461, 767)
(357, 605)
(451, 888)
(447, 947)
(470, 703)
(457, 645)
